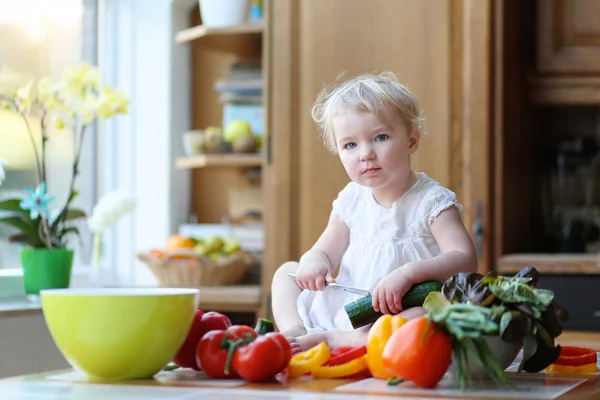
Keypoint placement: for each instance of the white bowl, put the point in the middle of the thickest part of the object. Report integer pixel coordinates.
(504, 352)
(217, 13)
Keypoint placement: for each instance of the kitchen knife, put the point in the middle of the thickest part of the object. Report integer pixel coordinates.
(337, 286)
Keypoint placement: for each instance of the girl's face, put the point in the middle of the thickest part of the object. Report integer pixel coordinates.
(374, 154)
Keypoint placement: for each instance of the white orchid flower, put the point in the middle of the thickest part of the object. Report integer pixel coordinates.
(3, 163)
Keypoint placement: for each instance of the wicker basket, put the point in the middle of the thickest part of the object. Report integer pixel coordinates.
(186, 268)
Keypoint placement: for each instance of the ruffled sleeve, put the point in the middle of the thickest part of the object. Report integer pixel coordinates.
(438, 199)
(344, 205)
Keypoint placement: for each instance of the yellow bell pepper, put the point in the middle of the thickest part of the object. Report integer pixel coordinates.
(580, 369)
(378, 336)
(340, 371)
(309, 360)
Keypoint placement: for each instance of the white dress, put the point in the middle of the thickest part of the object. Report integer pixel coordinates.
(381, 240)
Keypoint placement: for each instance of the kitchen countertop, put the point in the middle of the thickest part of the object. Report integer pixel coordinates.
(188, 385)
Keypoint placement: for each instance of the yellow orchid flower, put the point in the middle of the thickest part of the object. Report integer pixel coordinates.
(122, 102)
(79, 79)
(59, 123)
(111, 102)
(49, 94)
(23, 99)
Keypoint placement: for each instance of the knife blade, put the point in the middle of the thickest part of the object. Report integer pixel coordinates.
(349, 289)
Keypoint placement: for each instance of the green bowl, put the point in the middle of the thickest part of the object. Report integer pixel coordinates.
(113, 334)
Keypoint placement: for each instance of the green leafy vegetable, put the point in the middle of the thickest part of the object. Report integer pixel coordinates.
(472, 305)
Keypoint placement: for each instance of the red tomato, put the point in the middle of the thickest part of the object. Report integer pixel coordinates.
(263, 358)
(203, 323)
(213, 350)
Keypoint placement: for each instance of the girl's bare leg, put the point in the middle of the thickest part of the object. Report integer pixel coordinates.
(354, 338)
(285, 294)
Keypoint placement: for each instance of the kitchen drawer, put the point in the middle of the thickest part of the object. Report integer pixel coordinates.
(580, 296)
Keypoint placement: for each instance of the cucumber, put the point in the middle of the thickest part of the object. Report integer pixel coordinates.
(361, 311)
(264, 326)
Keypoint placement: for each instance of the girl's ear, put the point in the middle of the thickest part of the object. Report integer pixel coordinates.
(413, 141)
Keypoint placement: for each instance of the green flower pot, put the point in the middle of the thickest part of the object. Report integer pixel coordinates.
(45, 269)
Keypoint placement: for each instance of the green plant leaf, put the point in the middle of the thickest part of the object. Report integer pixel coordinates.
(75, 213)
(60, 218)
(28, 240)
(26, 226)
(67, 231)
(11, 205)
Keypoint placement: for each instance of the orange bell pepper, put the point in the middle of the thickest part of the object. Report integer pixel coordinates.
(307, 361)
(418, 352)
(378, 336)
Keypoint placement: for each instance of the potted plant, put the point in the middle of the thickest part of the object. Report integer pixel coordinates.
(72, 102)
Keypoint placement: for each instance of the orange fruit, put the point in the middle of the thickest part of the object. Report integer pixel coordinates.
(157, 253)
(177, 242)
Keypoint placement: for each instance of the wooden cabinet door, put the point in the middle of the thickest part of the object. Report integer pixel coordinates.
(440, 50)
(568, 36)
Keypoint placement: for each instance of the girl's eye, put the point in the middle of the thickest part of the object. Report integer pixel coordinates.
(350, 145)
(381, 138)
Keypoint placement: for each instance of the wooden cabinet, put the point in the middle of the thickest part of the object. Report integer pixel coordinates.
(568, 37)
(567, 51)
(439, 49)
(546, 91)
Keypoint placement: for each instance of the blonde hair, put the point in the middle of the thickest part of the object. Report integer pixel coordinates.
(368, 93)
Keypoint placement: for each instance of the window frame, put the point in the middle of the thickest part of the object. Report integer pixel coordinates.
(11, 279)
(135, 153)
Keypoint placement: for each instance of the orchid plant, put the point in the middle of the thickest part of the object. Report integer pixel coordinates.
(73, 102)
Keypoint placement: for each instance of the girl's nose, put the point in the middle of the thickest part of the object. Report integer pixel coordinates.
(367, 153)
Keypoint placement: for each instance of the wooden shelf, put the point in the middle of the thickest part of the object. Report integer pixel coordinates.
(587, 264)
(230, 298)
(219, 160)
(557, 90)
(197, 32)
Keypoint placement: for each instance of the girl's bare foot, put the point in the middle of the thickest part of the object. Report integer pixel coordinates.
(311, 340)
(296, 347)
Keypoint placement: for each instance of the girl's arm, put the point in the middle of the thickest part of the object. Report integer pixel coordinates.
(326, 252)
(457, 251)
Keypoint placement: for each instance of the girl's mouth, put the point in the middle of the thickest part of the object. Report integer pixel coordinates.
(371, 171)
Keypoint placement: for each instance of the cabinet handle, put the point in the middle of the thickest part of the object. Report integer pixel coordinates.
(269, 154)
(478, 231)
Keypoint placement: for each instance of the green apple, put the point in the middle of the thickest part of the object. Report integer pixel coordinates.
(213, 244)
(230, 245)
(200, 249)
(235, 130)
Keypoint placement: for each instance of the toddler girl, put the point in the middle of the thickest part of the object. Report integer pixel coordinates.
(390, 228)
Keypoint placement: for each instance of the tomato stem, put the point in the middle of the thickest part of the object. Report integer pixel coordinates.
(233, 346)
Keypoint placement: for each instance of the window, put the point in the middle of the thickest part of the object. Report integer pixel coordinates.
(39, 38)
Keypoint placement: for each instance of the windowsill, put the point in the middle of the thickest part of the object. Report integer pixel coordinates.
(12, 293)
(10, 307)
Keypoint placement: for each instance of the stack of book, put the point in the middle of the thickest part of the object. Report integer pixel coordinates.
(241, 94)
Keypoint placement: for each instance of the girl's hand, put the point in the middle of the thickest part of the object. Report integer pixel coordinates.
(313, 276)
(387, 296)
